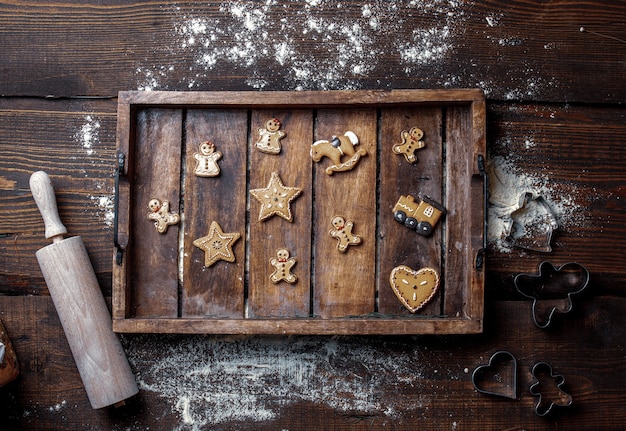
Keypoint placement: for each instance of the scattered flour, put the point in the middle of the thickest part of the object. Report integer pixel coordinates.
(213, 380)
(507, 183)
(58, 407)
(106, 206)
(238, 36)
(89, 134)
(88, 137)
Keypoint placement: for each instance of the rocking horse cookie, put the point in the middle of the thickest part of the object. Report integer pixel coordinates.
(338, 148)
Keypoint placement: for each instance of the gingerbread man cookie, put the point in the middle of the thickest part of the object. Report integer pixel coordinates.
(206, 160)
(342, 230)
(282, 264)
(160, 213)
(270, 136)
(411, 141)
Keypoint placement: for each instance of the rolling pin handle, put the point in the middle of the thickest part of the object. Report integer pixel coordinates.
(43, 193)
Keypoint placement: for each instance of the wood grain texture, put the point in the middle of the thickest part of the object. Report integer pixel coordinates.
(398, 244)
(268, 299)
(153, 263)
(528, 50)
(565, 140)
(344, 282)
(49, 387)
(217, 290)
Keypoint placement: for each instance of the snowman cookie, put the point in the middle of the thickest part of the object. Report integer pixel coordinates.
(206, 160)
(270, 136)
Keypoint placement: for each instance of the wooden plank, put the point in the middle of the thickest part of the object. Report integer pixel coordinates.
(156, 175)
(293, 164)
(200, 47)
(217, 290)
(345, 282)
(399, 245)
(459, 169)
(48, 395)
(350, 325)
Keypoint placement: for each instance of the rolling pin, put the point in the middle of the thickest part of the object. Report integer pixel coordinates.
(77, 297)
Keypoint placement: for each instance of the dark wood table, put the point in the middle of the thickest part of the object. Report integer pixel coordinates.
(553, 74)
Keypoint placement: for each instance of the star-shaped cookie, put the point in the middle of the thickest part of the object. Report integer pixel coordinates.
(217, 245)
(276, 199)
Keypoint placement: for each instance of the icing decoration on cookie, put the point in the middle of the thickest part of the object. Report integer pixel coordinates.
(338, 148)
(160, 213)
(276, 198)
(270, 136)
(282, 264)
(206, 160)
(411, 141)
(217, 245)
(342, 231)
(420, 216)
(414, 288)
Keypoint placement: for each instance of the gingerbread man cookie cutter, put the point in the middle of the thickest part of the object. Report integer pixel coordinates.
(411, 141)
(283, 264)
(160, 213)
(342, 231)
(338, 148)
(206, 160)
(270, 136)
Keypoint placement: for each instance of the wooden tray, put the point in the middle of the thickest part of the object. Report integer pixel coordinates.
(160, 283)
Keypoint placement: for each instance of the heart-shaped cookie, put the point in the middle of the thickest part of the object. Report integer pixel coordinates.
(414, 288)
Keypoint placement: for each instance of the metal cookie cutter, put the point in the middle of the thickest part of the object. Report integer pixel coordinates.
(532, 224)
(498, 377)
(548, 387)
(552, 289)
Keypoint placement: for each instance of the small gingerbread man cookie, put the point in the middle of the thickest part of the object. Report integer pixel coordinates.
(160, 213)
(206, 160)
(282, 264)
(270, 136)
(411, 141)
(342, 230)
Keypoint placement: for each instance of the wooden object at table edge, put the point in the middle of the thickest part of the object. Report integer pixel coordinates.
(470, 322)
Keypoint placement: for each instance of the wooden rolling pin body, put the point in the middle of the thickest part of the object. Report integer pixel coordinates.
(77, 297)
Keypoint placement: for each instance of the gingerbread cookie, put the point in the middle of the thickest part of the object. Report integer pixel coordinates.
(160, 213)
(282, 264)
(270, 136)
(217, 245)
(414, 288)
(338, 148)
(206, 160)
(276, 198)
(342, 230)
(411, 141)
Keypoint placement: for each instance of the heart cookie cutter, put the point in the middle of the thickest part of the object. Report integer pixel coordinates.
(541, 372)
(498, 377)
(552, 289)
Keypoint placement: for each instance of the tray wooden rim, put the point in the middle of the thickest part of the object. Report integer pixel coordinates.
(472, 323)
